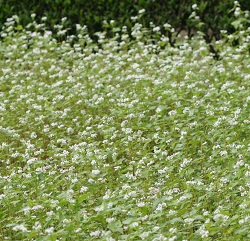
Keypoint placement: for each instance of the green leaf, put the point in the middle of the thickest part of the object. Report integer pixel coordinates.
(116, 226)
(83, 197)
(198, 217)
(128, 221)
(19, 27)
(176, 220)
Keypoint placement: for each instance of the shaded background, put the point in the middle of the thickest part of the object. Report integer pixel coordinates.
(214, 14)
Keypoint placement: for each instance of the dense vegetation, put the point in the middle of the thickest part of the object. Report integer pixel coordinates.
(212, 15)
(125, 138)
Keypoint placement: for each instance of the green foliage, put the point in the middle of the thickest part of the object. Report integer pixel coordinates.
(213, 14)
(125, 138)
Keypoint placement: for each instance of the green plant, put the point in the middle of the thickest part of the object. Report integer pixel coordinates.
(125, 137)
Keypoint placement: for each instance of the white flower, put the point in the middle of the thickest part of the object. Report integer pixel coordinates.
(20, 227)
(167, 25)
(144, 235)
(141, 204)
(37, 226)
(49, 213)
(90, 180)
(99, 209)
(134, 225)
(172, 112)
(156, 29)
(110, 239)
(188, 220)
(172, 230)
(156, 228)
(37, 207)
(95, 172)
(221, 217)
(64, 19)
(173, 238)
(194, 6)
(2, 196)
(83, 189)
(141, 11)
(110, 220)
(134, 18)
(95, 234)
(158, 110)
(203, 232)
(49, 230)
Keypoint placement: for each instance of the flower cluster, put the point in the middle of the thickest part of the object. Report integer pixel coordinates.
(124, 139)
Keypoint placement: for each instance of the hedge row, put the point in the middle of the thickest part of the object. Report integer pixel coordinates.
(214, 15)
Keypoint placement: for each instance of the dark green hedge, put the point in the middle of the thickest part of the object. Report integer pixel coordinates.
(213, 13)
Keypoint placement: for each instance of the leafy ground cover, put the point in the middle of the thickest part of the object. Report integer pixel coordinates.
(124, 139)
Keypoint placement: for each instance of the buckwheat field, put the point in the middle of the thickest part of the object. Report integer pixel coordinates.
(124, 137)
